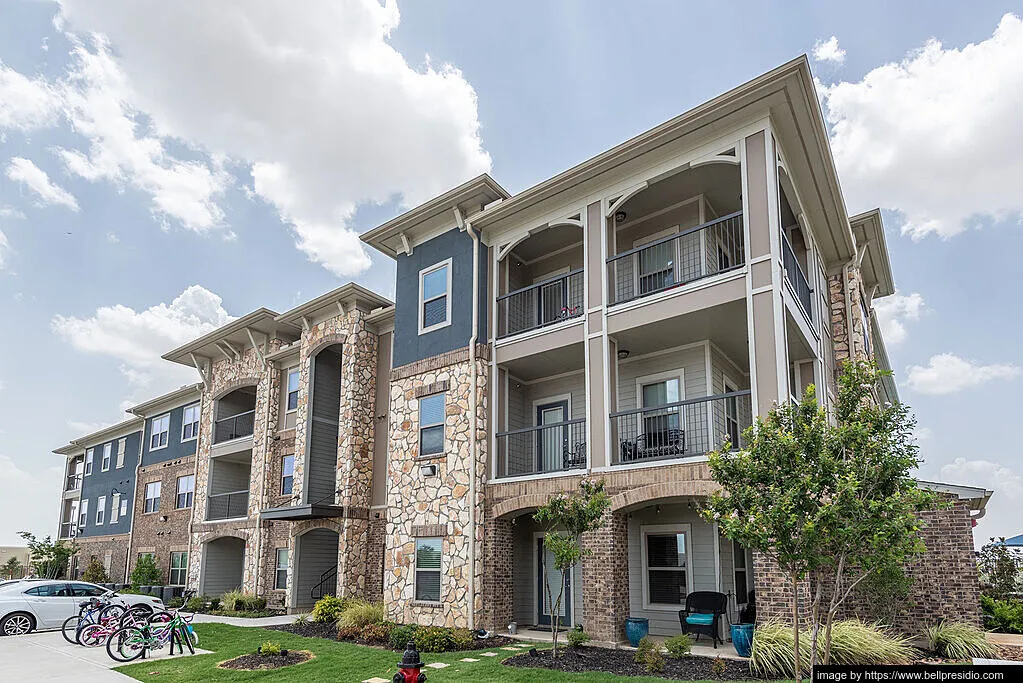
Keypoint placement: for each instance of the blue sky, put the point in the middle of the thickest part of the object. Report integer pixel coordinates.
(164, 166)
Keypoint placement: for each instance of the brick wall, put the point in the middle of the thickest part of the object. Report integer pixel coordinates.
(498, 579)
(99, 547)
(377, 539)
(151, 533)
(606, 579)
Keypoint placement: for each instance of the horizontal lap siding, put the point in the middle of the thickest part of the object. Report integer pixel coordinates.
(223, 563)
(317, 554)
(521, 412)
(692, 360)
(525, 580)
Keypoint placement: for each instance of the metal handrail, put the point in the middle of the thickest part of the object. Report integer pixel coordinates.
(548, 281)
(539, 305)
(230, 496)
(329, 575)
(687, 402)
(234, 432)
(674, 236)
(525, 430)
(800, 283)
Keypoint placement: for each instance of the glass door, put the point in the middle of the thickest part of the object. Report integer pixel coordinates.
(551, 441)
(547, 573)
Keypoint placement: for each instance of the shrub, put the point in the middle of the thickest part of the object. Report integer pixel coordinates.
(359, 613)
(250, 603)
(377, 634)
(196, 604)
(578, 637)
(956, 640)
(175, 603)
(401, 635)
(646, 644)
(270, 647)
(1002, 616)
(231, 599)
(95, 572)
(146, 573)
(461, 639)
(718, 667)
(885, 592)
(349, 632)
(214, 604)
(328, 609)
(679, 646)
(433, 639)
(654, 661)
(299, 619)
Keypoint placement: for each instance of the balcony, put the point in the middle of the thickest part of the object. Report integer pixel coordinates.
(678, 259)
(230, 505)
(681, 429)
(68, 529)
(544, 303)
(796, 277)
(540, 450)
(73, 483)
(234, 427)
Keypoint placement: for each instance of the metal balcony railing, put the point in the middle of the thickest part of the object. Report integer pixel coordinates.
(681, 429)
(73, 483)
(676, 260)
(234, 427)
(68, 529)
(545, 303)
(228, 505)
(794, 274)
(536, 450)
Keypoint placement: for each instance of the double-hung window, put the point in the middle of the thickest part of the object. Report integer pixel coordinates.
(287, 474)
(152, 497)
(431, 424)
(292, 389)
(428, 568)
(83, 513)
(88, 461)
(122, 445)
(115, 508)
(281, 571)
(101, 510)
(186, 488)
(435, 297)
(190, 422)
(178, 568)
(666, 575)
(104, 463)
(158, 431)
(124, 506)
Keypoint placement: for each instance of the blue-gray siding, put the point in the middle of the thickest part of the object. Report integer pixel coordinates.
(101, 483)
(176, 448)
(323, 427)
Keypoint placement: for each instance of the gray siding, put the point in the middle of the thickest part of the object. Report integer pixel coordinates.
(101, 483)
(225, 477)
(176, 448)
(317, 554)
(321, 468)
(691, 360)
(524, 576)
(223, 560)
(521, 397)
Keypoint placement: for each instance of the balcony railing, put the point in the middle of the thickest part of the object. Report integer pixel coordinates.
(545, 303)
(68, 529)
(796, 277)
(73, 483)
(228, 505)
(676, 260)
(234, 427)
(537, 450)
(681, 429)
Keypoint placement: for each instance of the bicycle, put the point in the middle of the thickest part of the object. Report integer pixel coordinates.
(94, 635)
(131, 642)
(91, 611)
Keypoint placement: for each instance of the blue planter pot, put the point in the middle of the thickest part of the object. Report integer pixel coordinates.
(742, 639)
(635, 629)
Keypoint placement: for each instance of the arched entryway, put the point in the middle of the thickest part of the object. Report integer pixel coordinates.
(315, 571)
(223, 564)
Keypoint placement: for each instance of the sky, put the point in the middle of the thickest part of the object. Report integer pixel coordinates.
(165, 167)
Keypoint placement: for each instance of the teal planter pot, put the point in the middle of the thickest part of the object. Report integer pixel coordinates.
(742, 639)
(635, 629)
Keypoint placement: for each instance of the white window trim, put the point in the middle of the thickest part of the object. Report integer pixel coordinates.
(124, 507)
(146, 498)
(90, 456)
(106, 456)
(152, 424)
(115, 508)
(679, 374)
(101, 510)
(553, 399)
(121, 452)
(278, 568)
(447, 318)
(280, 488)
(443, 424)
(287, 377)
(440, 571)
(83, 513)
(183, 423)
(171, 568)
(178, 491)
(660, 529)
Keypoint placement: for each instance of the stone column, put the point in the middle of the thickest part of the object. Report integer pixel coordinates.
(498, 580)
(606, 579)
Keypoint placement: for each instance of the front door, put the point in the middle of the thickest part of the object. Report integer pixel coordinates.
(546, 572)
(551, 442)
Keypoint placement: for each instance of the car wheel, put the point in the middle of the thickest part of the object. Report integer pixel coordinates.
(17, 624)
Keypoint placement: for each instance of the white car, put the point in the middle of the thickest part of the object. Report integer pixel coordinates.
(33, 604)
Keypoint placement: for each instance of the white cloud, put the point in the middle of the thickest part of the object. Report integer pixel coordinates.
(26, 104)
(936, 136)
(893, 312)
(139, 338)
(946, 373)
(113, 238)
(83, 428)
(21, 170)
(21, 508)
(10, 213)
(1003, 508)
(828, 51)
(5, 247)
(326, 114)
(922, 433)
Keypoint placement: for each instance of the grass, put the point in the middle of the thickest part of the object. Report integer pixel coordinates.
(335, 661)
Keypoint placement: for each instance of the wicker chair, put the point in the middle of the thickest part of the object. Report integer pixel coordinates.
(702, 614)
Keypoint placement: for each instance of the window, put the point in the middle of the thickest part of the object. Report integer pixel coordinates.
(287, 474)
(434, 299)
(281, 573)
(152, 497)
(431, 424)
(83, 514)
(88, 462)
(115, 508)
(104, 463)
(101, 510)
(178, 568)
(732, 429)
(292, 389)
(665, 565)
(121, 446)
(108, 558)
(159, 428)
(190, 422)
(428, 551)
(51, 590)
(186, 488)
(124, 507)
(661, 429)
(85, 590)
(741, 577)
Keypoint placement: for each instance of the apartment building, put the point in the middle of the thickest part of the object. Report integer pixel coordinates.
(617, 321)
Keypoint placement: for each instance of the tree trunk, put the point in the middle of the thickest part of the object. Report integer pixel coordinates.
(815, 627)
(795, 625)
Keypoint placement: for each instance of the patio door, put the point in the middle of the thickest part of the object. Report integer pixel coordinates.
(551, 441)
(553, 297)
(546, 572)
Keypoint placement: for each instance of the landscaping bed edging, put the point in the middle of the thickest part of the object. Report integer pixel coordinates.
(590, 659)
(258, 662)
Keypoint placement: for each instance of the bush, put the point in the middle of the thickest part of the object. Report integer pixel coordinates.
(679, 646)
(646, 645)
(299, 619)
(359, 613)
(250, 603)
(95, 572)
(955, 640)
(376, 634)
(196, 604)
(328, 609)
(146, 573)
(578, 637)
(231, 599)
(401, 635)
(718, 667)
(270, 647)
(214, 603)
(349, 632)
(461, 639)
(654, 661)
(433, 639)
(175, 603)
(1002, 616)
(885, 593)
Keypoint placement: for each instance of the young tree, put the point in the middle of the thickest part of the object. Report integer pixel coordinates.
(95, 572)
(49, 559)
(566, 518)
(146, 573)
(830, 502)
(1001, 569)
(11, 568)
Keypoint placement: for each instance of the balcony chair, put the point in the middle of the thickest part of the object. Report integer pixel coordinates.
(575, 458)
(702, 614)
(660, 444)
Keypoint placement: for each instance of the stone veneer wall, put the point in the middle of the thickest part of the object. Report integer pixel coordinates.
(840, 326)
(436, 505)
(150, 533)
(98, 547)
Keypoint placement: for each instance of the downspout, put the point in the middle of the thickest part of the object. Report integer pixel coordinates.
(134, 494)
(474, 401)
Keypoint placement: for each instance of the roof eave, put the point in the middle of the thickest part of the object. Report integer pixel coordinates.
(870, 229)
(344, 294)
(168, 400)
(182, 354)
(100, 436)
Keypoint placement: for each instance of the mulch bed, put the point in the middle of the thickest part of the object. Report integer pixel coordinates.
(254, 662)
(622, 663)
(1013, 653)
(312, 629)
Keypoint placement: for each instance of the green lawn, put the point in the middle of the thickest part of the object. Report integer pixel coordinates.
(335, 662)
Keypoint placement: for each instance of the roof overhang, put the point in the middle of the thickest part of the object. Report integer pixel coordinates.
(335, 302)
(257, 326)
(400, 234)
(295, 513)
(186, 394)
(888, 385)
(976, 496)
(76, 446)
(875, 268)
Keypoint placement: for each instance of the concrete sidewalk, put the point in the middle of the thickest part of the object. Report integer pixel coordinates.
(242, 621)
